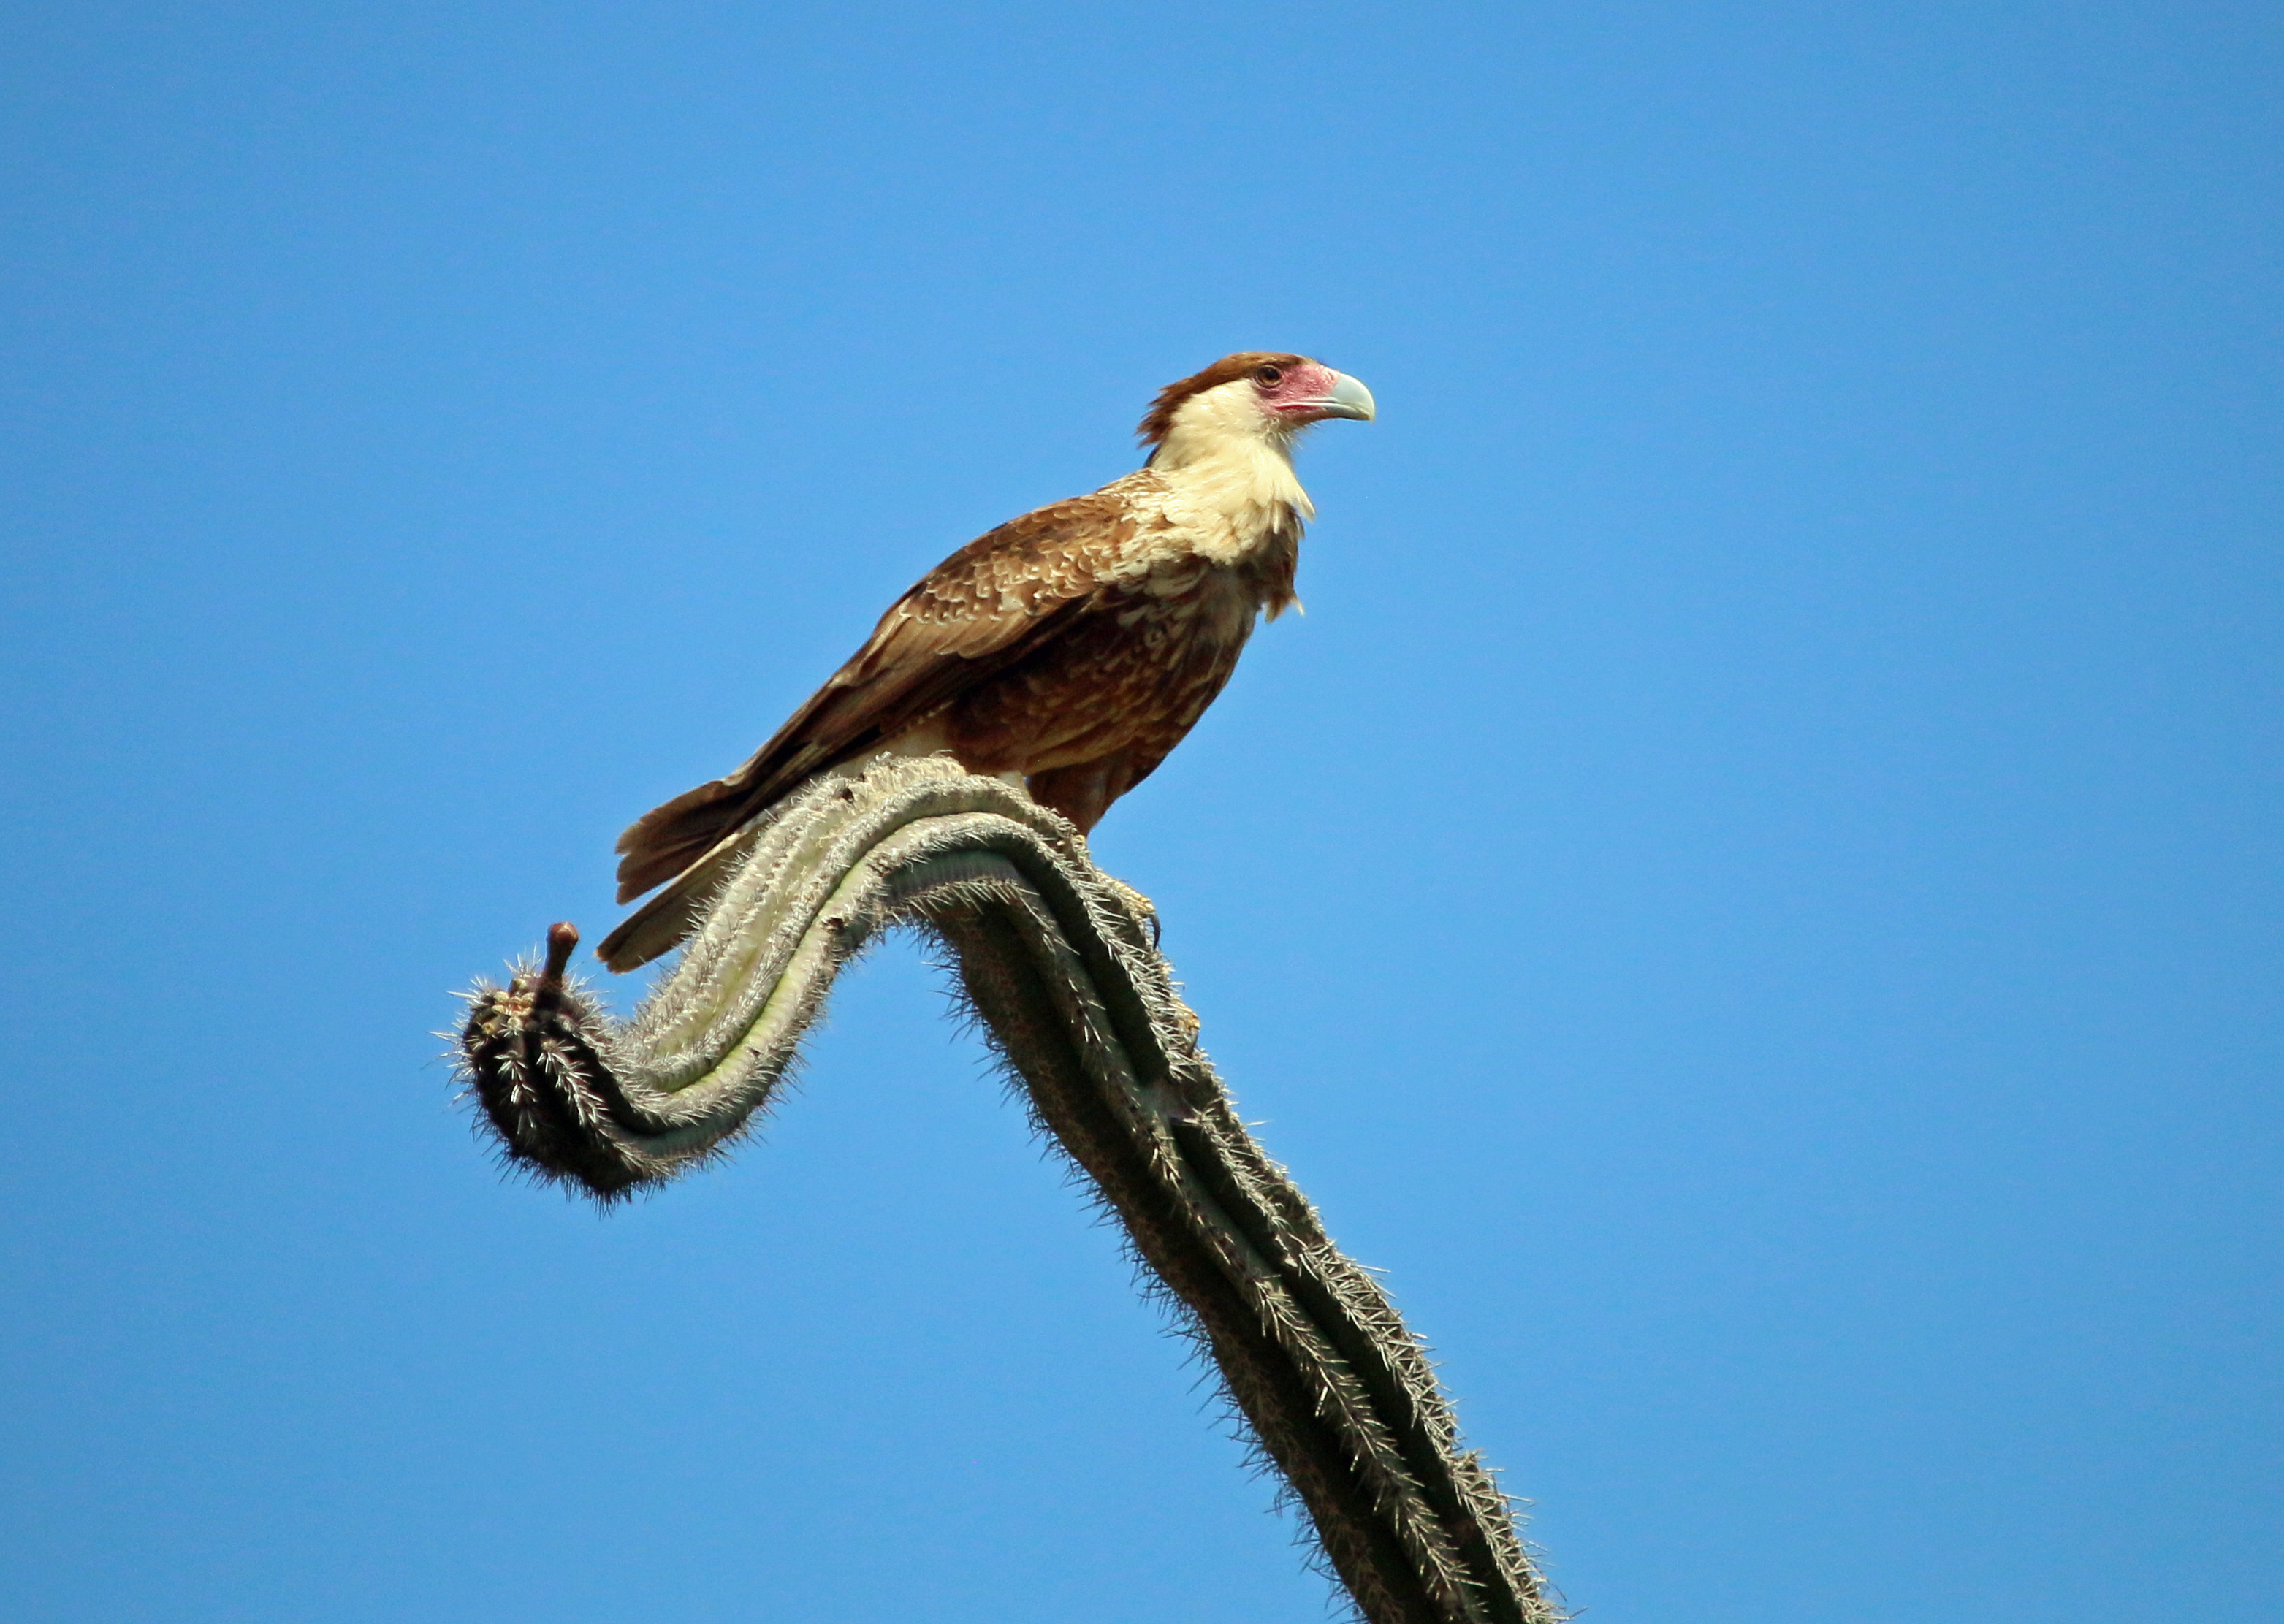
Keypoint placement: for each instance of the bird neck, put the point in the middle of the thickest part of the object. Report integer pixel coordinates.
(1234, 469)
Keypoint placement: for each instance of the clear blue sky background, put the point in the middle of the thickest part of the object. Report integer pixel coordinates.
(1751, 894)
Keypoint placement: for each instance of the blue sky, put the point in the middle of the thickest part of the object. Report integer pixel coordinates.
(1751, 893)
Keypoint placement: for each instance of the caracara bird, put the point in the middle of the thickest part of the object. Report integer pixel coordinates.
(1071, 648)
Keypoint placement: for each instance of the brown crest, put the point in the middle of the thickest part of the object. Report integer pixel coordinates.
(1229, 369)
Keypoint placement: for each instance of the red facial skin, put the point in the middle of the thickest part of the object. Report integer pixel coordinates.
(1299, 395)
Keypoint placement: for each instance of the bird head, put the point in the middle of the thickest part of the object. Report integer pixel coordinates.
(1257, 394)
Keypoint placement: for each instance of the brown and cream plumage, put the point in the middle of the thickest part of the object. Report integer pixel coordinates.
(1072, 647)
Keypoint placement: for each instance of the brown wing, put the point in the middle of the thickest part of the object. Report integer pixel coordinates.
(984, 608)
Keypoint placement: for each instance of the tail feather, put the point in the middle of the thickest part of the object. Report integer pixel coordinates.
(660, 924)
(668, 839)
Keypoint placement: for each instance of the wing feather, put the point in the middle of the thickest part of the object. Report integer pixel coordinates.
(988, 606)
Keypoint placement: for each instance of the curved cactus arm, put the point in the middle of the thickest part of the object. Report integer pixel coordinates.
(1056, 961)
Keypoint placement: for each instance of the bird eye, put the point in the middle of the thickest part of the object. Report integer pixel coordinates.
(1268, 377)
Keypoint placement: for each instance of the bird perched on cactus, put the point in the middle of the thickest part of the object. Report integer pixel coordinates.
(1070, 649)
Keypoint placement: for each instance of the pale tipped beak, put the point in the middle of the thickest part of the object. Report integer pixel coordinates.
(1347, 398)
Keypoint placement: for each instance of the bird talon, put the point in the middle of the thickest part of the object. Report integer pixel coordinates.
(1145, 909)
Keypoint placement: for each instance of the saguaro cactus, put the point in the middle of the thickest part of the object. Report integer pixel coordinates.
(1058, 965)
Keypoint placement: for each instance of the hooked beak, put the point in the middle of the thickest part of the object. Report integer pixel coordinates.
(1347, 398)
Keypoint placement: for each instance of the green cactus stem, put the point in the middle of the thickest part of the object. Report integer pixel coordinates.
(1058, 963)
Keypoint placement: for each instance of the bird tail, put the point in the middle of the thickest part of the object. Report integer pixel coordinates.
(670, 839)
(660, 924)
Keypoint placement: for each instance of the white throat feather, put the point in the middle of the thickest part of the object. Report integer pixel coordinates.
(1223, 454)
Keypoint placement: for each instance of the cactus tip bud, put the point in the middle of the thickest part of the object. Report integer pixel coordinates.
(561, 938)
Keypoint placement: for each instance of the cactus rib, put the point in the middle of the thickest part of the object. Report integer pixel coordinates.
(1058, 963)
